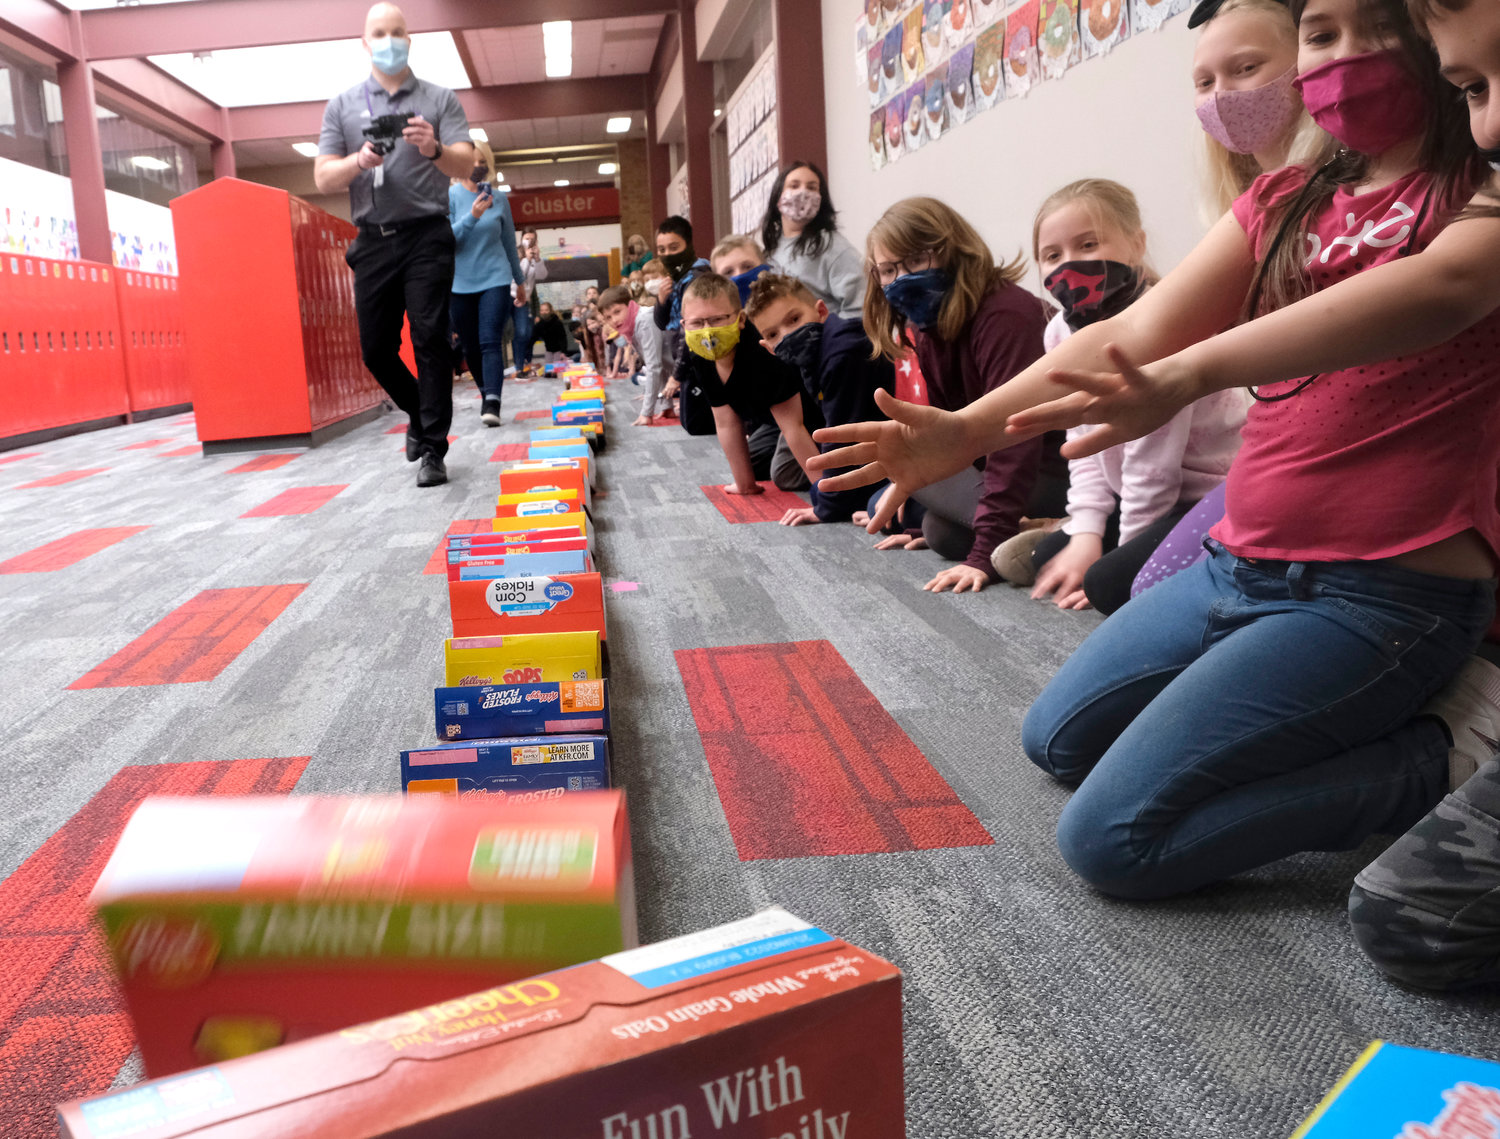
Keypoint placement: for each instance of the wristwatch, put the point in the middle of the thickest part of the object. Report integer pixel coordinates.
(439, 154)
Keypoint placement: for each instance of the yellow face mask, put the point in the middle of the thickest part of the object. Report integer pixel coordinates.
(714, 343)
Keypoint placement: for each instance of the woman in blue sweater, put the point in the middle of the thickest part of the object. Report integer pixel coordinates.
(485, 268)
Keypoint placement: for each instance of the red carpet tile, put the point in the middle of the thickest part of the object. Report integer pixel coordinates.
(438, 563)
(177, 452)
(509, 451)
(66, 551)
(539, 413)
(768, 507)
(196, 641)
(16, 458)
(664, 421)
(262, 463)
(807, 761)
(298, 500)
(62, 477)
(64, 1032)
(399, 429)
(147, 444)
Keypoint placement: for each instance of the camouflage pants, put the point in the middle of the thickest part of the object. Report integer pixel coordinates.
(1427, 911)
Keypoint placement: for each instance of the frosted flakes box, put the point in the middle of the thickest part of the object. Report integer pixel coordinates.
(486, 711)
(236, 924)
(525, 766)
(522, 658)
(766, 1028)
(1410, 1093)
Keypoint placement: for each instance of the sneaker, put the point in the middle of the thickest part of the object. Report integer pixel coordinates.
(1470, 707)
(489, 413)
(413, 447)
(432, 472)
(1012, 558)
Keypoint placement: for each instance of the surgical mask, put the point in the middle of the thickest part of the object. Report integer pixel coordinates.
(389, 54)
(677, 264)
(1368, 102)
(918, 297)
(743, 281)
(714, 343)
(651, 284)
(1090, 291)
(801, 205)
(1246, 122)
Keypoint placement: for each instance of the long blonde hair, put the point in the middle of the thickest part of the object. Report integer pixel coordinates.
(921, 225)
(1110, 205)
(1229, 174)
(482, 150)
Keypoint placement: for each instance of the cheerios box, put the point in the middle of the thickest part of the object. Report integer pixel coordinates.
(528, 658)
(766, 1028)
(236, 924)
(486, 711)
(1395, 1091)
(520, 765)
(565, 603)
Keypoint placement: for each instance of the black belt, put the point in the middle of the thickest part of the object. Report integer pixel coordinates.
(391, 228)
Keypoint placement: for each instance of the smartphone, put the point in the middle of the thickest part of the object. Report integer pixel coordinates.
(485, 191)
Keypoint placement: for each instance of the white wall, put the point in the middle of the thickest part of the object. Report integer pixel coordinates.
(1127, 116)
(579, 240)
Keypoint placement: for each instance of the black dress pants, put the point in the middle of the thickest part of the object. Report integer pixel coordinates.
(408, 271)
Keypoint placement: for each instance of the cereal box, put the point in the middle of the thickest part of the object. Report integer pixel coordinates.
(522, 765)
(491, 710)
(531, 658)
(1410, 1092)
(562, 604)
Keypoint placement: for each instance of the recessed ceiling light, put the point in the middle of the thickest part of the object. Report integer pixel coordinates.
(618, 125)
(718, 111)
(499, 177)
(607, 167)
(306, 149)
(560, 182)
(503, 189)
(147, 162)
(477, 134)
(559, 66)
(557, 47)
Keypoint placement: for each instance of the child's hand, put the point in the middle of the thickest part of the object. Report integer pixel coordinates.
(917, 447)
(860, 517)
(735, 488)
(959, 579)
(1063, 573)
(901, 542)
(1129, 403)
(672, 388)
(806, 516)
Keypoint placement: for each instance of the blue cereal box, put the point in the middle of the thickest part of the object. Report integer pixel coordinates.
(579, 450)
(492, 711)
(529, 766)
(473, 567)
(1409, 1092)
(556, 433)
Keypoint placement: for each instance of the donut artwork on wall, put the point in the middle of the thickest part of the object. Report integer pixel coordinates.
(1057, 37)
(936, 117)
(1104, 24)
(914, 128)
(931, 66)
(961, 85)
(1022, 70)
(913, 58)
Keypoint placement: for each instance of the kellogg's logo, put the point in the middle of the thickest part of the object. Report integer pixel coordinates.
(166, 952)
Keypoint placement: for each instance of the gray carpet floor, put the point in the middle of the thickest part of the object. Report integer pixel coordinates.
(1034, 1007)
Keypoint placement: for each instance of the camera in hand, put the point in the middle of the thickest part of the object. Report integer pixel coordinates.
(384, 131)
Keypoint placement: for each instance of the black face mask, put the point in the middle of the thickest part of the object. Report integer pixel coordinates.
(802, 347)
(1090, 291)
(677, 264)
(478, 173)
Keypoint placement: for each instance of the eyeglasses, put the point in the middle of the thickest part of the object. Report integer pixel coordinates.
(888, 271)
(702, 322)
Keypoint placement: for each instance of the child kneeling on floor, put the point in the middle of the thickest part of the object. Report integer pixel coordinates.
(833, 357)
(1091, 250)
(740, 380)
(649, 342)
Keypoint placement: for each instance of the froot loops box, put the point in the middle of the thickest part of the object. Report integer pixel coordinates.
(236, 924)
(765, 1028)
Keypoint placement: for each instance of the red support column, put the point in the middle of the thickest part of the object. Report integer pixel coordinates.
(800, 118)
(698, 118)
(85, 160)
(658, 163)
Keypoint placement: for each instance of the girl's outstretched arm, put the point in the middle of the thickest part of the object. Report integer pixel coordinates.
(1397, 309)
(921, 445)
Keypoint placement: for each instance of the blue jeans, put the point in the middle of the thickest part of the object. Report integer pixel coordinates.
(480, 319)
(1243, 711)
(525, 335)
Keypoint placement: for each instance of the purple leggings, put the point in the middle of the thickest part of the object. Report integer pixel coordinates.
(1184, 545)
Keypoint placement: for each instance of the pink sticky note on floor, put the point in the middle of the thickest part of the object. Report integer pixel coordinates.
(625, 586)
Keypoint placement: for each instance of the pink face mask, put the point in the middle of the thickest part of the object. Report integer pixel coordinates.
(1368, 102)
(1248, 122)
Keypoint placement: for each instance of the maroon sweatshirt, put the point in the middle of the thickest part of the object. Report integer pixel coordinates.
(1003, 338)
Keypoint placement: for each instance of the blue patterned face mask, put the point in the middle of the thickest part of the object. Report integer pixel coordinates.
(389, 54)
(743, 281)
(918, 297)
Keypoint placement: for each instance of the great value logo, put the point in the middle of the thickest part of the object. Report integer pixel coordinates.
(548, 506)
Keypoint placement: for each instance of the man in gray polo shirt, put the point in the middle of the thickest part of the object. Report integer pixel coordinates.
(403, 256)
